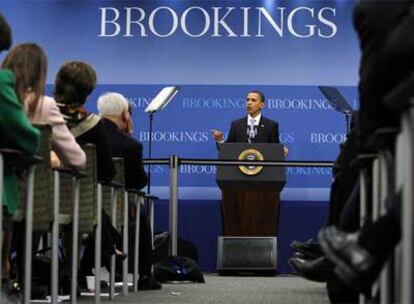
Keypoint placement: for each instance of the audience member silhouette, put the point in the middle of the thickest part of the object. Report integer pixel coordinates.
(114, 110)
(16, 132)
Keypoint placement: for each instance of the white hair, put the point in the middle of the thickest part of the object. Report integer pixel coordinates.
(112, 104)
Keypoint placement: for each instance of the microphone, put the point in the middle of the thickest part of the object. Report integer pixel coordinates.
(251, 133)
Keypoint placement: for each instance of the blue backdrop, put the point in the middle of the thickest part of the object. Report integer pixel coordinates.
(308, 126)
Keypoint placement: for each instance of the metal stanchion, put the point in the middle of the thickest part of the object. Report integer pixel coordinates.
(138, 201)
(401, 168)
(363, 198)
(375, 203)
(407, 278)
(173, 212)
(150, 204)
(55, 238)
(28, 237)
(98, 242)
(1, 213)
(125, 246)
(375, 189)
(386, 277)
(384, 181)
(114, 201)
(75, 241)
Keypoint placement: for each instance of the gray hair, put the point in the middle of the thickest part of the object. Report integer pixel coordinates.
(112, 104)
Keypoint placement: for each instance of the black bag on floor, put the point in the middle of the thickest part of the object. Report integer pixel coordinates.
(178, 268)
(184, 248)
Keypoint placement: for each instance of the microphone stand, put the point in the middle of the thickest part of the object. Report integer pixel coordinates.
(248, 135)
(158, 103)
(251, 134)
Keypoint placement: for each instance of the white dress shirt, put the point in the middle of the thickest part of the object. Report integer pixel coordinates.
(256, 120)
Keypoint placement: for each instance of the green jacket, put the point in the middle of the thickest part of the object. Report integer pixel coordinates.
(16, 132)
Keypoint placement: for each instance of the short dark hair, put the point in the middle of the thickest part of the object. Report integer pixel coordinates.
(74, 82)
(262, 97)
(5, 34)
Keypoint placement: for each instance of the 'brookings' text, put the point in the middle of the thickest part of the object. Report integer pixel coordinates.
(197, 21)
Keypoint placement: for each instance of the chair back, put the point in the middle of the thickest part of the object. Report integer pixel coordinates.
(87, 195)
(106, 196)
(43, 183)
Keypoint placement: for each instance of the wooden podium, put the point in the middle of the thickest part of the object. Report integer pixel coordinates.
(250, 194)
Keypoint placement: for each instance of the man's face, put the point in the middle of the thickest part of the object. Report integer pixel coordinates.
(254, 104)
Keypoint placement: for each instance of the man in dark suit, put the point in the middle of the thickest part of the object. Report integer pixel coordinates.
(240, 219)
(113, 108)
(254, 128)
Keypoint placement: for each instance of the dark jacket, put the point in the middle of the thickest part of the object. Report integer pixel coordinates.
(374, 22)
(16, 132)
(131, 151)
(267, 131)
(95, 134)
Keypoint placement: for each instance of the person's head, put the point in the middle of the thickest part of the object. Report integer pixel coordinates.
(5, 34)
(255, 102)
(28, 63)
(74, 82)
(114, 106)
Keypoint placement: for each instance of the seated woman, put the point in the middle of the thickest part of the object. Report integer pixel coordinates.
(74, 83)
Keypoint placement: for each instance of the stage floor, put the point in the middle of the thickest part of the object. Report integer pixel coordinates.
(280, 289)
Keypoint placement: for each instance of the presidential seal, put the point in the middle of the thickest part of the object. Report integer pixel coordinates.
(252, 155)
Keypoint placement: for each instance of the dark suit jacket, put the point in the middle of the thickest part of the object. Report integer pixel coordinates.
(131, 151)
(267, 131)
(97, 136)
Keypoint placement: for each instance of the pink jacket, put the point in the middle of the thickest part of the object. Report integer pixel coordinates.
(64, 144)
